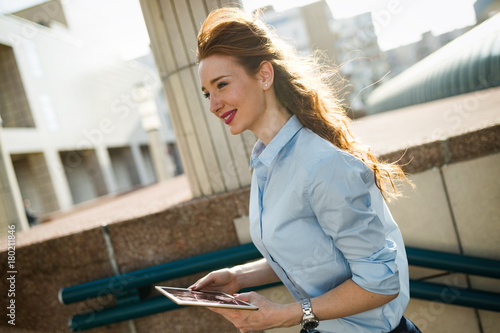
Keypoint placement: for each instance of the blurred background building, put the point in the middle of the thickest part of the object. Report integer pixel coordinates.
(403, 57)
(71, 114)
(352, 44)
(485, 9)
(467, 64)
(359, 55)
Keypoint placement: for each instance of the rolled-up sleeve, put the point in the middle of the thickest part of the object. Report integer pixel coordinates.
(340, 197)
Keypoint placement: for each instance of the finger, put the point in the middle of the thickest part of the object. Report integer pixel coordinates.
(195, 286)
(201, 283)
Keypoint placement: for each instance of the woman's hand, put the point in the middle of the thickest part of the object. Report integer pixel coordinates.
(270, 315)
(225, 280)
(231, 280)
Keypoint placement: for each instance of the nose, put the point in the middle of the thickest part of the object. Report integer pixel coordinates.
(215, 104)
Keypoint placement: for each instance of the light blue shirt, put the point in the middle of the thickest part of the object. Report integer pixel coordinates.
(318, 218)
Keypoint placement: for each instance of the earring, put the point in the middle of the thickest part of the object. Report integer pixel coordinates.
(265, 85)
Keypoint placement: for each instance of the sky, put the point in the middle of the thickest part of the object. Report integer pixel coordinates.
(7, 6)
(397, 22)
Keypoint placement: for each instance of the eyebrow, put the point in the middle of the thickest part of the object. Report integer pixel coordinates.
(216, 79)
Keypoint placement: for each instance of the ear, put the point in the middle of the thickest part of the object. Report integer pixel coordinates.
(266, 74)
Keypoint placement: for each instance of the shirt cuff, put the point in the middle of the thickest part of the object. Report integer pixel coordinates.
(378, 273)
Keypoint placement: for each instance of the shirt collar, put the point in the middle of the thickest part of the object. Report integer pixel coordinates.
(267, 154)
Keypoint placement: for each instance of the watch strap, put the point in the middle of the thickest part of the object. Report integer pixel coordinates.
(309, 320)
(306, 307)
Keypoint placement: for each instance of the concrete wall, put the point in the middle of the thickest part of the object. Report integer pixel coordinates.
(455, 209)
(125, 172)
(34, 181)
(13, 102)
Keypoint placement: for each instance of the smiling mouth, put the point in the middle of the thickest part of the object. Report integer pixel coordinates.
(228, 116)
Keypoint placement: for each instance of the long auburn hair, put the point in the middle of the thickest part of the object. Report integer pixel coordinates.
(301, 84)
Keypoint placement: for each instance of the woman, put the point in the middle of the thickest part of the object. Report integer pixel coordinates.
(317, 208)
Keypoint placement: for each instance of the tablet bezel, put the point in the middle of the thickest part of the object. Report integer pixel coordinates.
(241, 305)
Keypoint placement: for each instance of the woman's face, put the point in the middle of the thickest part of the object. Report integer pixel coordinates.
(235, 97)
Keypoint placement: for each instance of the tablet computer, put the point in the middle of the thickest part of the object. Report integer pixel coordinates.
(215, 299)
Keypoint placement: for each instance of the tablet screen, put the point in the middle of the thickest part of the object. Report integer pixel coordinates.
(204, 298)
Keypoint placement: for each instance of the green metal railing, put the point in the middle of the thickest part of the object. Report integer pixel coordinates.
(453, 262)
(148, 276)
(129, 305)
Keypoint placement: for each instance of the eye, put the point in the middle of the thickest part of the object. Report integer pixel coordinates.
(206, 95)
(221, 85)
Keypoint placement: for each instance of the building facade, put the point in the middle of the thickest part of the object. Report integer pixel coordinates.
(403, 57)
(349, 44)
(72, 128)
(359, 57)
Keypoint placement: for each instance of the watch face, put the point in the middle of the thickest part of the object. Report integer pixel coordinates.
(309, 325)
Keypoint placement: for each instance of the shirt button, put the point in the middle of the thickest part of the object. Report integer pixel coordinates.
(264, 178)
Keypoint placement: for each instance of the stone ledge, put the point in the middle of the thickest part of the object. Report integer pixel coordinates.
(184, 230)
(145, 201)
(436, 121)
(459, 148)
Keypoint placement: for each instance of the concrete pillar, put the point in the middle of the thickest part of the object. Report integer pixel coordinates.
(139, 164)
(214, 160)
(59, 180)
(151, 123)
(158, 155)
(316, 18)
(107, 168)
(11, 202)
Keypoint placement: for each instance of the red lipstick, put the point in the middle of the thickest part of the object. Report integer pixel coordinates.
(231, 115)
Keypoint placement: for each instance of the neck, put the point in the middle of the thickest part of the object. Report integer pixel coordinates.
(271, 123)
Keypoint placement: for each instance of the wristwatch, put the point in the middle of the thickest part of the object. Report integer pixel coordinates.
(309, 320)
